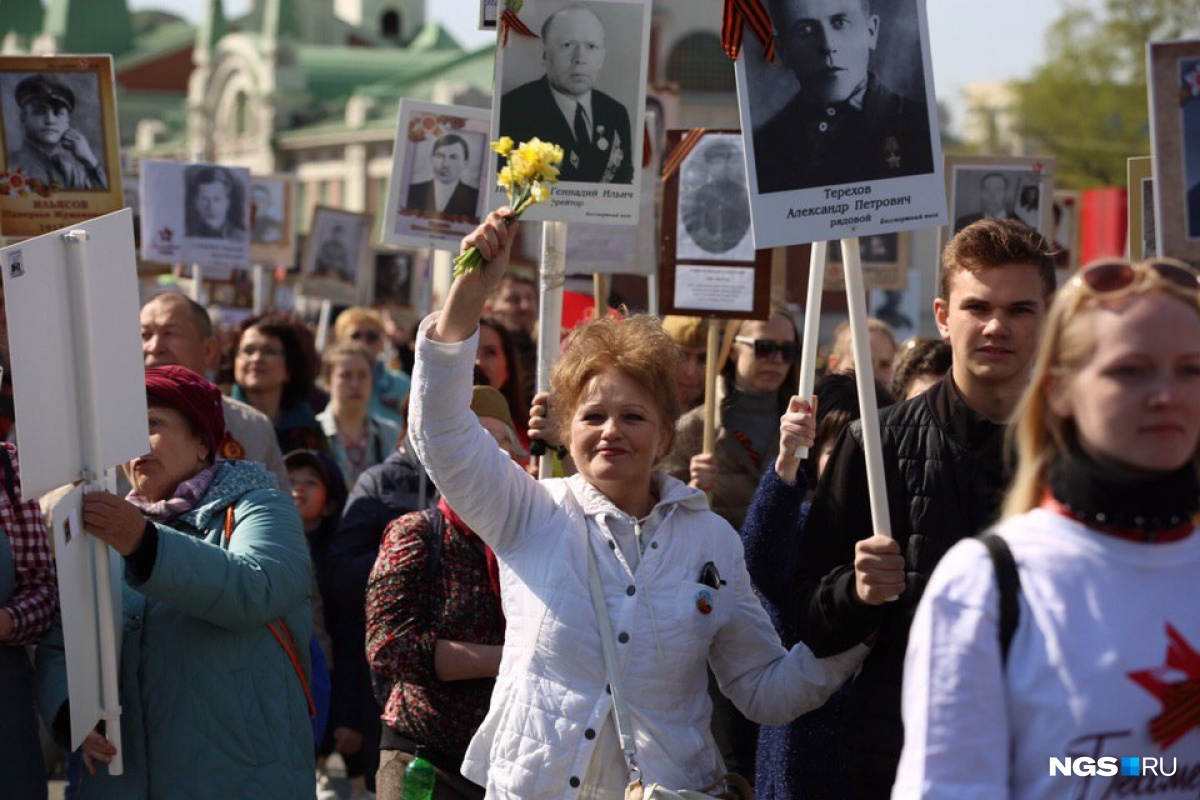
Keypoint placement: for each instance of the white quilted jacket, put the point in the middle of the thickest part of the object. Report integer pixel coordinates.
(550, 701)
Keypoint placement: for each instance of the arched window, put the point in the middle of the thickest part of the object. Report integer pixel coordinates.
(698, 64)
(241, 114)
(389, 24)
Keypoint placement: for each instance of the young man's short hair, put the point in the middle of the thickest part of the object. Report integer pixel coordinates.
(993, 243)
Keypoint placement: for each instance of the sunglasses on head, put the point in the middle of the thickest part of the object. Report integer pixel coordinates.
(1116, 277)
(370, 336)
(765, 348)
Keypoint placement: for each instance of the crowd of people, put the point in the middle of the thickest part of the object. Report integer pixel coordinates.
(345, 551)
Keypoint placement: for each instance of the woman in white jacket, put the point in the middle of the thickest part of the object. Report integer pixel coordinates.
(673, 574)
(1099, 695)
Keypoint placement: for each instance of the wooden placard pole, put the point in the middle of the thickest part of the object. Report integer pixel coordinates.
(812, 326)
(552, 273)
(864, 373)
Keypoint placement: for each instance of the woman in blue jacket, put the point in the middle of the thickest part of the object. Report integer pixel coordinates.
(214, 654)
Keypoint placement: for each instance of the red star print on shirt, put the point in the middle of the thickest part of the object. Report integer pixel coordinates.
(1177, 685)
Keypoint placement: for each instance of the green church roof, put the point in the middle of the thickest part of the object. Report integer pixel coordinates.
(22, 17)
(90, 26)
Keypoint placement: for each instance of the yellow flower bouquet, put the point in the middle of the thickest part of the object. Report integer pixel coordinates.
(531, 167)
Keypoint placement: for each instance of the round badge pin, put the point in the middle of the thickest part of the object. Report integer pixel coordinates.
(704, 602)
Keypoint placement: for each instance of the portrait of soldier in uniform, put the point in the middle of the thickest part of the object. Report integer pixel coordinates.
(564, 107)
(844, 125)
(995, 201)
(715, 208)
(50, 149)
(445, 192)
(266, 214)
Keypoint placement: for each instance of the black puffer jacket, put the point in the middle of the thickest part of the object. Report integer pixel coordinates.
(945, 480)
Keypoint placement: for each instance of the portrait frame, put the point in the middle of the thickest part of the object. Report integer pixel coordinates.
(31, 202)
(600, 180)
(488, 14)
(721, 275)
(965, 177)
(1064, 229)
(173, 229)
(1173, 74)
(273, 237)
(885, 261)
(1141, 241)
(393, 270)
(334, 264)
(885, 178)
(419, 126)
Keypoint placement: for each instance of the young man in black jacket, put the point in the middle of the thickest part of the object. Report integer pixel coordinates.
(943, 458)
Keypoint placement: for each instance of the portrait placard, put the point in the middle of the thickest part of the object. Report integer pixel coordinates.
(1141, 242)
(58, 142)
(885, 260)
(392, 276)
(335, 255)
(842, 144)
(1065, 229)
(1001, 187)
(438, 167)
(195, 214)
(1174, 76)
(708, 266)
(582, 86)
(272, 215)
(488, 14)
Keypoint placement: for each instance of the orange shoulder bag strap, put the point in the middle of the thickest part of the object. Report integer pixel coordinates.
(281, 633)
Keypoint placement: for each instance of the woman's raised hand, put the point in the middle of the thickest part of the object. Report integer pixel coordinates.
(113, 521)
(797, 428)
(460, 315)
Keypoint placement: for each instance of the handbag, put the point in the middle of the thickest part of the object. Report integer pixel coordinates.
(730, 787)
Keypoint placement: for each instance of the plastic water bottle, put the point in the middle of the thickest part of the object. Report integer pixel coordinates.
(419, 778)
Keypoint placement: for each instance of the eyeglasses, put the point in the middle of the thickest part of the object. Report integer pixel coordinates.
(366, 335)
(250, 351)
(1114, 278)
(765, 348)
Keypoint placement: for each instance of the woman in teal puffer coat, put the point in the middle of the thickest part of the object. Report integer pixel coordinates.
(217, 620)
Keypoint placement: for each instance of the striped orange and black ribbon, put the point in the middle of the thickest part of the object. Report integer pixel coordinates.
(685, 146)
(510, 21)
(739, 14)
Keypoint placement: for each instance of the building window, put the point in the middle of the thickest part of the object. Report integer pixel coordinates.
(389, 24)
(241, 114)
(698, 64)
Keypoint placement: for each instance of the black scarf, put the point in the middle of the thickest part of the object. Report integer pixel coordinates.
(1112, 495)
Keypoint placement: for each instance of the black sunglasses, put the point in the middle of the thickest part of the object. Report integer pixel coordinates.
(765, 348)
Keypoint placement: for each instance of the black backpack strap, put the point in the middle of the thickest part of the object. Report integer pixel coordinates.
(1009, 583)
(434, 542)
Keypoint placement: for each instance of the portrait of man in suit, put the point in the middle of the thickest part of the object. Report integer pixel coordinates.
(564, 107)
(446, 193)
(994, 201)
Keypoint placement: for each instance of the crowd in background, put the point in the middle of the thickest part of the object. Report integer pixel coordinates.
(419, 594)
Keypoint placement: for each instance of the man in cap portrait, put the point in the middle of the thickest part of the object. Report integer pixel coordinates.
(51, 151)
(844, 125)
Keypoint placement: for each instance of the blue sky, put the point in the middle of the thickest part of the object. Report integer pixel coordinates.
(971, 40)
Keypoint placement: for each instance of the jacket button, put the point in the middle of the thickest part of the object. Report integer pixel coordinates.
(574, 782)
(623, 637)
(589, 734)
(654, 545)
(135, 622)
(612, 545)
(630, 590)
(607, 689)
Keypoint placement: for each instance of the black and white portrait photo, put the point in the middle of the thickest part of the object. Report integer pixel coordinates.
(1017, 188)
(53, 130)
(216, 206)
(848, 101)
(335, 252)
(195, 214)
(59, 146)
(441, 155)
(1174, 82)
(272, 229)
(449, 183)
(714, 207)
(392, 277)
(859, 110)
(580, 85)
